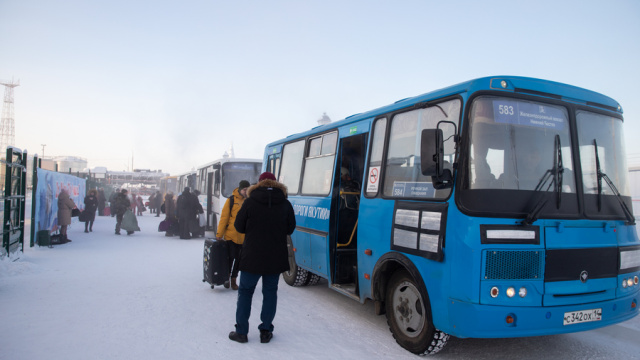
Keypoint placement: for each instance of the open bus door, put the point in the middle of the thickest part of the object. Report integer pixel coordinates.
(346, 202)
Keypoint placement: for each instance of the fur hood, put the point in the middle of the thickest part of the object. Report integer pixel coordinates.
(268, 184)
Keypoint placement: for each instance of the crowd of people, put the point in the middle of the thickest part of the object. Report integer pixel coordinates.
(255, 222)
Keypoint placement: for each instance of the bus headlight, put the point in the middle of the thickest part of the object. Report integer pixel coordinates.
(629, 259)
(624, 283)
(511, 291)
(630, 282)
(522, 292)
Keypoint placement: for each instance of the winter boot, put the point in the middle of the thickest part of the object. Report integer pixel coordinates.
(234, 285)
(265, 336)
(86, 227)
(226, 284)
(241, 338)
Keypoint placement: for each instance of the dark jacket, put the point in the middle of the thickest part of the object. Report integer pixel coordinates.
(90, 206)
(266, 218)
(121, 204)
(187, 206)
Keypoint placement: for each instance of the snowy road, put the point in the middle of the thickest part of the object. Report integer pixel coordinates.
(104, 296)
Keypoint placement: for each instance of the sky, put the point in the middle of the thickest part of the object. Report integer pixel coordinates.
(169, 85)
(141, 297)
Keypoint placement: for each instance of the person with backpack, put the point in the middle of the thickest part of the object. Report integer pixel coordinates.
(227, 231)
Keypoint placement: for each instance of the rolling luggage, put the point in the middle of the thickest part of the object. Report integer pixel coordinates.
(215, 263)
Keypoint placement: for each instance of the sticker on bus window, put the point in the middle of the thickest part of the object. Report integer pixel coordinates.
(413, 189)
(528, 114)
(373, 179)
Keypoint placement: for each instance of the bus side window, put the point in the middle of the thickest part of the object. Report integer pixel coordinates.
(377, 147)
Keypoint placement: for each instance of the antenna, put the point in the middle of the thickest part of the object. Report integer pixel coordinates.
(7, 128)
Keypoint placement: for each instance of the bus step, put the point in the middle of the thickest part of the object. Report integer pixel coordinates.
(346, 289)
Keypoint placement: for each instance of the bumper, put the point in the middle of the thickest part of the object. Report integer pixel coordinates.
(483, 321)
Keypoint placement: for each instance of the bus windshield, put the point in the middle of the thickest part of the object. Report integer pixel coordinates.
(233, 172)
(514, 143)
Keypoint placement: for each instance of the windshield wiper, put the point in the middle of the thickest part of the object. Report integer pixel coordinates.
(556, 172)
(631, 220)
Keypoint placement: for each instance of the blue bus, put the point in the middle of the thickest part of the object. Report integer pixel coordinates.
(498, 207)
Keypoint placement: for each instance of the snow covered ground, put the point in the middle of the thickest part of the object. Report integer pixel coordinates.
(104, 296)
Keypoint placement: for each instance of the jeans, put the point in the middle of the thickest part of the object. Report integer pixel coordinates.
(248, 282)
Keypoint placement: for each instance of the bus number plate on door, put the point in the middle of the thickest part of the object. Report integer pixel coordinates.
(582, 316)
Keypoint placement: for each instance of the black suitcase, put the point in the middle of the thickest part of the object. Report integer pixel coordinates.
(215, 263)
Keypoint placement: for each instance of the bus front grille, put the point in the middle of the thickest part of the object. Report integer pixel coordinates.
(518, 265)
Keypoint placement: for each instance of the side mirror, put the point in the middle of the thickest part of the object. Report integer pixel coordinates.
(431, 152)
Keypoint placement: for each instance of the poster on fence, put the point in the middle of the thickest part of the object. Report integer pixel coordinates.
(50, 183)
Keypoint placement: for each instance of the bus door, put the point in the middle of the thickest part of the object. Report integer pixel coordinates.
(346, 202)
(209, 193)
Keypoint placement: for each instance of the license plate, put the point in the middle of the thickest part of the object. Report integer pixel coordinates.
(582, 316)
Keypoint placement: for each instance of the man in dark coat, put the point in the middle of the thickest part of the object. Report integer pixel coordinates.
(90, 205)
(266, 218)
(120, 205)
(157, 203)
(101, 202)
(187, 209)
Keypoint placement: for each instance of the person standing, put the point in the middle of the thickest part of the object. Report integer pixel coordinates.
(227, 231)
(90, 206)
(266, 218)
(170, 213)
(101, 202)
(157, 204)
(187, 210)
(65, 205)
(120, 205)
(112, 202)
(152, 201)
(140, 205)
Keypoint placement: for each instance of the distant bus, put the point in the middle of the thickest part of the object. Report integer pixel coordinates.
(216, 181)
(168, 184)
(498, 207)
(186, 179)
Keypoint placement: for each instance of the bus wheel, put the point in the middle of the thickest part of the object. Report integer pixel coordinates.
(313, 279)
(409, 317)
(295, 276)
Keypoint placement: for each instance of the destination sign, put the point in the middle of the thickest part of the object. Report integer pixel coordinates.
(529, 114)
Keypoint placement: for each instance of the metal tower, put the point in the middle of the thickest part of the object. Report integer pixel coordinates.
(7, 129)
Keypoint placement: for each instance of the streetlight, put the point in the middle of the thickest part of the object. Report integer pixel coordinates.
(43, 145)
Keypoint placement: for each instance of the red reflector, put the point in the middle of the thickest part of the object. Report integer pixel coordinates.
(509, 319)
(294, 249)
(633, 304)
(368, 252)
(367, 276)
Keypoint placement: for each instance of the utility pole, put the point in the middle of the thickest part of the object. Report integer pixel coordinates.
(43, 145)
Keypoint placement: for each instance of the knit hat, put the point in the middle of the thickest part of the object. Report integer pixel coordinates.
(243, 185)
(266, 175)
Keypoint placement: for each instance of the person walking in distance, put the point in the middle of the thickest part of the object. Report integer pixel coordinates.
(120, 204)
(266, 218)
(227, 231)
(90, 206)
(101, 202)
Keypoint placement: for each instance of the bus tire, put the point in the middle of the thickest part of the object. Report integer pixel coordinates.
(313, 279)
(295, 276)
(409, 316)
